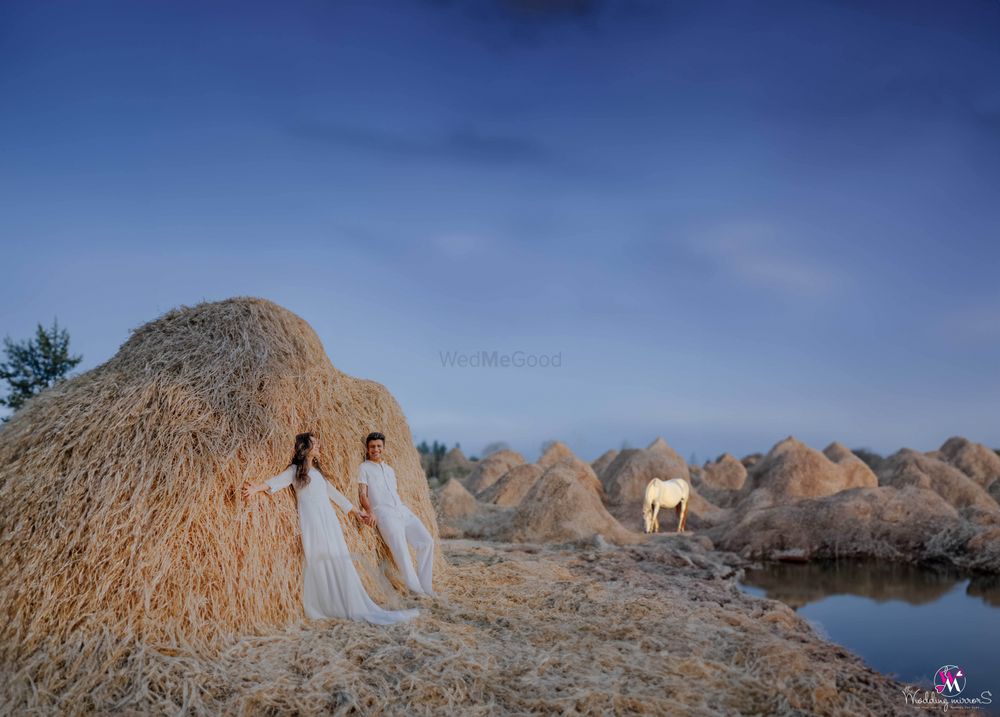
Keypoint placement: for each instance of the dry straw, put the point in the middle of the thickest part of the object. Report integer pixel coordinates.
(122, 514)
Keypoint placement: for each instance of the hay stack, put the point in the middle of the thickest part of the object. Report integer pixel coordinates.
(663, 447)
(455, 465)
(490, 469)
(563, 505)
(726, 473)
(627, 476)
(856, 470)
(513, 486)
(453, 504)
(974, 459)
(907, 467)
(603, 461)
(909, 524)
(121, 510)
(555, 451)
(719, 482)
(452, 500)
(749, 461)
(793, 470)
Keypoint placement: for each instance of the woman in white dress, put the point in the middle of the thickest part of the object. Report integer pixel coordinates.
(331, 586)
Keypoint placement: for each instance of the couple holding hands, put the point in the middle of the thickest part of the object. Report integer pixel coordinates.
(332, 587)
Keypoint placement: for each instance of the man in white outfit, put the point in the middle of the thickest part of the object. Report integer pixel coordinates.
(396, 522)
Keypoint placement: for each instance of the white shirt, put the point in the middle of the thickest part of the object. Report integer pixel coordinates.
(381, 481)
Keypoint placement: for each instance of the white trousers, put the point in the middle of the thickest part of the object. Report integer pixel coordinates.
(402, 527)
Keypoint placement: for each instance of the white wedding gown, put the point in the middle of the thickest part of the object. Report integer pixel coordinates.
(331, 586)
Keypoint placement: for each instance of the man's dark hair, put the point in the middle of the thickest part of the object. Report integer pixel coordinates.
(374, 436)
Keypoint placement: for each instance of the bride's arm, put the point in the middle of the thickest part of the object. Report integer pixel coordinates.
(271, 485)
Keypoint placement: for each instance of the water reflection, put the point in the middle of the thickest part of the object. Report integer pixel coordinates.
(903, 620)
(800, 584)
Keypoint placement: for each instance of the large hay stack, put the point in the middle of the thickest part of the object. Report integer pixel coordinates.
(563, 505)
(908, 467)
(974, 459)
(121, 511)
(793, 470)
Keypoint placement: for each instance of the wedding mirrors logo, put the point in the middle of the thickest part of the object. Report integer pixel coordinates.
(499, 359)
(949, 683)
(949, 680)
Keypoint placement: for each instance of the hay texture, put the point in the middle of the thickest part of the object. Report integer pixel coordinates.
(726, 473)
(909, 467)
(564, 504)
(658, 629)
(554, 451)
(974, 459)
(793, 470)
(119, 489)
(490, 469)
(857, 472)
(602, 462)
(908, 524)
(513, 486)
(455, 465)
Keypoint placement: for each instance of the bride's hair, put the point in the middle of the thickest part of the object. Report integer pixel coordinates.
(303, 442)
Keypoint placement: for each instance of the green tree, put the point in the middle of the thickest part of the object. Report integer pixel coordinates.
(35, 364)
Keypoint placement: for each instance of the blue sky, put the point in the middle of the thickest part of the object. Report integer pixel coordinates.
(732, 221)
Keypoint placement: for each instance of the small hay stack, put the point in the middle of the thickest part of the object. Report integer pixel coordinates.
(974, 459)
(563, 505)
(454, 464)
(555, 451)
(490, 469)
(603, 461)
(726, 473)
(908, 467)
(453, 503)
(856, 470)
(121, 510)
(513, 486)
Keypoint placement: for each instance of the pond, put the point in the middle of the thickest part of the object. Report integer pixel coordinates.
(903, 620)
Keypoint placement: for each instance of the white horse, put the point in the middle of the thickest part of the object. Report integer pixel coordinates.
(666, 494)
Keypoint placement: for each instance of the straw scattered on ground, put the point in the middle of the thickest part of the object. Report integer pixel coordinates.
(656, 629)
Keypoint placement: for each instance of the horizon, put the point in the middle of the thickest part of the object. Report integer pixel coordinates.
(730, 224)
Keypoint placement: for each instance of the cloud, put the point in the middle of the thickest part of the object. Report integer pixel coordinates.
(466, 145)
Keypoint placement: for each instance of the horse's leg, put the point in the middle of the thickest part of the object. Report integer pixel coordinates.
(656, 518)
(684, 516)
